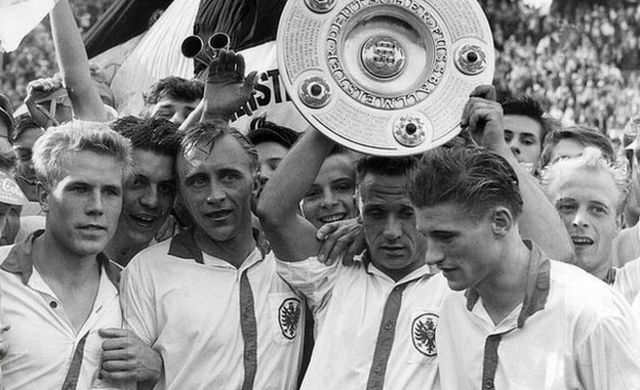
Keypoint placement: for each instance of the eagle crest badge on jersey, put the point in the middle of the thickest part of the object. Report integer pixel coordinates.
(423, 333)
(288, 317)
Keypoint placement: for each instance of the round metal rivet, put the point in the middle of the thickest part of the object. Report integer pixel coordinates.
(320, 6)
(471, 60)
(314, 92)
(410, 131)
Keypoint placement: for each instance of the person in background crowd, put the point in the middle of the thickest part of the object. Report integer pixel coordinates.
(174, 98)
(500, 326)
(331, 197)
(7, 165)
(150, 187)
(25, 135)
(7, 124)
(525, 128)
(570, 142)
(58, 288)
(11, 200)
(272, 143)
(589, 194)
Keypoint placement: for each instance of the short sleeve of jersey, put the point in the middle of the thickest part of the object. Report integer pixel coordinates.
(310, 278)
(628, 280)
(609, 357)
(138, 306)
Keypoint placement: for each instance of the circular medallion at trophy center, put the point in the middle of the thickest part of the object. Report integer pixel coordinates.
(386, 56)
(383, 57)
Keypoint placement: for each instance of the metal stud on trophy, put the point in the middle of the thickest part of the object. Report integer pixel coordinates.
(385, 77)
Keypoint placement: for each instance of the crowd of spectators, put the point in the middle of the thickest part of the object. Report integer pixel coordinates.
(35, 57)
(581, 59)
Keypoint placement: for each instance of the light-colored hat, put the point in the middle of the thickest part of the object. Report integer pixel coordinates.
(10, 192)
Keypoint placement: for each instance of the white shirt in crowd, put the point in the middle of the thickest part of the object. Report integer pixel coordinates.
(571, 332)
(44, 350)
(627, 281)
(351, 312)
(186, 305)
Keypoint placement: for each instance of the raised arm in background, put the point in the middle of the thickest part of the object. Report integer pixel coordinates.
(74, 65)
(540, 221)
(291, 236)
(226, 91)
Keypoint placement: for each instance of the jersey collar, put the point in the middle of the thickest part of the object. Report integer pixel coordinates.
(537, 288)
(20, 260)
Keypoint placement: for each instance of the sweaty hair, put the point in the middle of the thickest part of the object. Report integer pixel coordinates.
(385, 166)
(176, 88)
(24, 122)
(473, 178)
(592, 159)
(586, 136)
(531, 108)
(52, 151)
(205, 135)
(154, 134)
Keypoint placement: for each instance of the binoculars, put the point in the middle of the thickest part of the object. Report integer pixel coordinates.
(194, 47)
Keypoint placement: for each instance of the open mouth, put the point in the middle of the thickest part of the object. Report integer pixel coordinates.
(581, 241)
(219, 215)
(143, 219)
(333, 218)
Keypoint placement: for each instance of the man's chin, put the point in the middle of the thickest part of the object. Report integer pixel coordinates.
(90, 248)
(140, 239)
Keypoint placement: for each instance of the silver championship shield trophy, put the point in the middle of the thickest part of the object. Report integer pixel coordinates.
(384, 77)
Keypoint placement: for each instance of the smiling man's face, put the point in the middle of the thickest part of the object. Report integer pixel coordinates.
(148, 196)
(588, 202)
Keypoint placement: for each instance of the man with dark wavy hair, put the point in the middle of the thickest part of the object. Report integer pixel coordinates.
(174, 98)
(525, 128)
(150, 187)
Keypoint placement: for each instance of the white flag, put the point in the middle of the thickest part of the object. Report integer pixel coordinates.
(18, 18)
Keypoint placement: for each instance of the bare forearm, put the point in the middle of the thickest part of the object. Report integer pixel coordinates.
(74, 64)
(295, 174)
(292, 237)
(540, 221)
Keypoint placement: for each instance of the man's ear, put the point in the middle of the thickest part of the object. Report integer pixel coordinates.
(42, 191)
(501, 220)
(619, 222)
(256, 185)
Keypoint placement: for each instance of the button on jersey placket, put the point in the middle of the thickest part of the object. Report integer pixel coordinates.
(386, 335)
